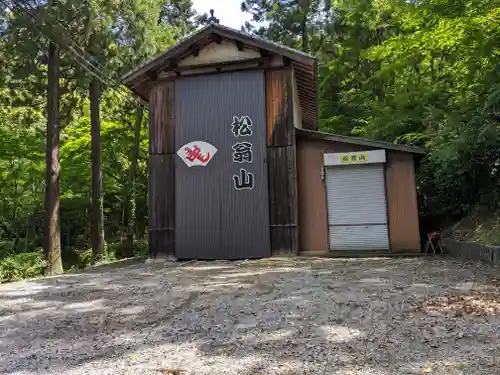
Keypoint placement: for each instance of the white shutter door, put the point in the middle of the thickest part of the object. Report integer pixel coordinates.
(357, 211)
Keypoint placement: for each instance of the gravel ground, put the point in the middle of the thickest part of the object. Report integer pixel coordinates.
(278, 316)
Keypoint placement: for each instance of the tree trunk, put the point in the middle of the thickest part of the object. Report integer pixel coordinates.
(52, 178)
(305, 7)
(97, 226)
(305, 35)
(129, 217)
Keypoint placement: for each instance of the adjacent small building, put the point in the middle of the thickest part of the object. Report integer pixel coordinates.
(237, 168)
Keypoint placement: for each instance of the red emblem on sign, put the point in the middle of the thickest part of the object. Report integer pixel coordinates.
(194, 153)
(197, 153)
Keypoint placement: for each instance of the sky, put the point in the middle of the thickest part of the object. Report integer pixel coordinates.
(227, 11)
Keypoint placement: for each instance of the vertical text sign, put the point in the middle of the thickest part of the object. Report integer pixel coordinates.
(242, 152)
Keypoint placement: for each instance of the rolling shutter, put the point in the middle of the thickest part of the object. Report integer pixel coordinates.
(357, 210)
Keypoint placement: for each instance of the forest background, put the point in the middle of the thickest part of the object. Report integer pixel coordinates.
(74, 140)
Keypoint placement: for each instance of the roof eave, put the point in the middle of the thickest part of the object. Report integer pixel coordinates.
(223, 31)
(150, 64)
(360, 141)
(258, 42)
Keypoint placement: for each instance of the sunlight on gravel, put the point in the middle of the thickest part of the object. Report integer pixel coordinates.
(273, 316)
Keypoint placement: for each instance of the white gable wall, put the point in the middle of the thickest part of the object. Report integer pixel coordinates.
(218, 53)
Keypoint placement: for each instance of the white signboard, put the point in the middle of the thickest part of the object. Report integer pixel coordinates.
(197, 153)
(349, 158)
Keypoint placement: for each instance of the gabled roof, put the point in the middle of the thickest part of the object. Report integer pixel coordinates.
(311, 134)
(140, 79)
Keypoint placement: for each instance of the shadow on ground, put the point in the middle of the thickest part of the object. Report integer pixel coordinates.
(283, 316)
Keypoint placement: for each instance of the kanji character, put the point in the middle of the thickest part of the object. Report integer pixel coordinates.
(241, 126)
(245, 180)
(242, 152)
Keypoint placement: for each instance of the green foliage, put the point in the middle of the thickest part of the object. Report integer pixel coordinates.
(141, 249)
(440, 89)
(6, 248)
(22, 266)
(419, 73)
(300, 24)
(74, 260)
(85, 259)
(108, 39)
(480, 225)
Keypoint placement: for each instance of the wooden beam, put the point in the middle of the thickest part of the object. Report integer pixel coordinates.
(172, 63)
(264, 52)
(216, 38)
(265, 62)
(276, 49)
(281, 163)
(239, 45)
(153, 75)
(220, 65)
(161, 191)
(195, 51)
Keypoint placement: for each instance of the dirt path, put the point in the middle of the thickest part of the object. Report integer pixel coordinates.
(300, 316)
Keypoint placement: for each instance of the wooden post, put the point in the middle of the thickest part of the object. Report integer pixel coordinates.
(161, 201)
(281, 154)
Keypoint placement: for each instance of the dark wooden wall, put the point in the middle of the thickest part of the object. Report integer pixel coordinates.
(161, 202)
(281, 153)
(281, 157)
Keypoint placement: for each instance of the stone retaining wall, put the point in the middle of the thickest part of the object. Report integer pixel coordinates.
(472, 251)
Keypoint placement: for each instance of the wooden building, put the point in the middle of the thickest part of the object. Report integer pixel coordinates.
(237, 168)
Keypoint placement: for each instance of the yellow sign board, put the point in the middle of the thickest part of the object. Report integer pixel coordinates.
(354, 157)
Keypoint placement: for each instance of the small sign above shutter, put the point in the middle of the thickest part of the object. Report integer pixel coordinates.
(349, 158)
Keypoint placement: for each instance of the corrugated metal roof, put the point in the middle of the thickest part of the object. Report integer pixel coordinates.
(359, 141)
(305, 66)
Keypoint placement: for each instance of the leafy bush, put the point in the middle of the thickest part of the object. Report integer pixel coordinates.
(22, 266)
(114, 250)
(84, 259)
(77, 259)
(120, 250)
(111, 254)
(5, 248)
(141, 249)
